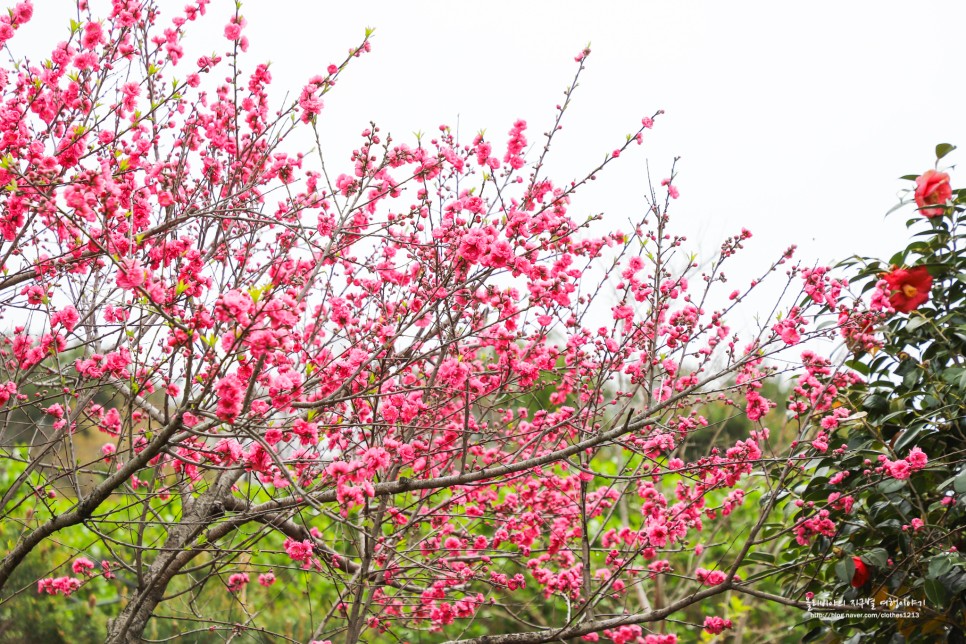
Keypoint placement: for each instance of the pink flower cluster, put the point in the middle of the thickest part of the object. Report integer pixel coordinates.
(710, 577)
(516, 145)
(231, 392)
(903, 468)
(82, 566)
(237, 581)
(300, 551)
(60, 585)
(818, 524)
(717, 625)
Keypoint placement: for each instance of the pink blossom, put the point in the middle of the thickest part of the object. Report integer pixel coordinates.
(710, 577)
(61, 585)
(82, 566)
(82, 61)
(880, 298)
(7, 390)
(23, 12)
(657, 535)
(93, 35)
(757, 406)
(131, 274)
(473, 245)
(660, 639)
(298, 550)
(917, 459)
(310, 103)
(716, 625)
(819, 524)
(898, 469)
(66, 317)
(670, 188)
(233, 30)
(237, 581)
(838, 477)
(230, 390)
(130, 92)
(516, 145)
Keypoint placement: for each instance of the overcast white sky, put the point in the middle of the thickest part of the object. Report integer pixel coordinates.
(792, 120)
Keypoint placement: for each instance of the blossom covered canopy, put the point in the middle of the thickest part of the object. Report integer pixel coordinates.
(909, 288)
(400, 372)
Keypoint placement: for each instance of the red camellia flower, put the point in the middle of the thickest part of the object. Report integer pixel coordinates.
(909, 287)
(933, 189)
(861, 573)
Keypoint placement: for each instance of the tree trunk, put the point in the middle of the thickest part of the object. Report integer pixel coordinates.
(176, 553)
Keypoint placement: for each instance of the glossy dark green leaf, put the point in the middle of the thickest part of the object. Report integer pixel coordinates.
(915, 322)
(845, 570)
(936, 594)
(763, 557)
(910, 379)
(891, 486)
(875, 402)
(959, 483)
(939, 566)
(878, 557)
(943, 149)
(908, 439)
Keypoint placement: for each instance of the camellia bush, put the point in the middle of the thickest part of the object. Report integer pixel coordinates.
(888, 480)
(393, 397)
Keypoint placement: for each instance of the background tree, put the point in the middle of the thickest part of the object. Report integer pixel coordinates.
(895, 486)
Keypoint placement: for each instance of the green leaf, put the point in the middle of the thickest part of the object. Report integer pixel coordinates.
(953, 374)
(910, 379)
(891, 486)
(943, 149)
(763, 557)
(939, 566)
(856, 365)
(959, 483)
(915, 323)
(845, 570)
(875, 402)
(878, 557)
(935, 593)
(908, 437)
(957, 584)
